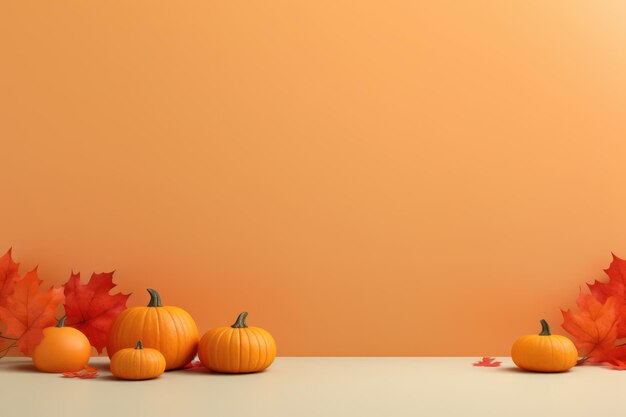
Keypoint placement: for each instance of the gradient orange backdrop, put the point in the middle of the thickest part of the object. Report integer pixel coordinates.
(364, 177)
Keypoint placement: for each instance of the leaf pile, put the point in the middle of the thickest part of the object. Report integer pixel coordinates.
(26, 309)
(600, 322)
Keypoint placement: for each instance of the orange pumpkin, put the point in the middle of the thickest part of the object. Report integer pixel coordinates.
(62, 349)
(137, 363)
(237, 349)
(170, 330)
(544, 352)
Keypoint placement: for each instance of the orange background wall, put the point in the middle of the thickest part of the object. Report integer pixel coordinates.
(365, 177)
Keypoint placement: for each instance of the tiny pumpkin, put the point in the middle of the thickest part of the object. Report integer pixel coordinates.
(168, 329)
(237, 349)
(544, 352)
(137, 363)
(62, 349)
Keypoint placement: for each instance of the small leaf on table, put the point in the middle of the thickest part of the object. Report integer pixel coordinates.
(86, 373)
(488, 362)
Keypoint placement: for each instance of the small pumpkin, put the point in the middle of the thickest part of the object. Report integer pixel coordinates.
(168, 329)
(544, 352)
(62, 349)
(137, 363)
(237, 349)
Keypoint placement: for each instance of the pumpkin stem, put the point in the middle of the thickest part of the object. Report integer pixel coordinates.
(545, 329)
(155, 298)
(61, 321)
(139, 345)
(241, 321)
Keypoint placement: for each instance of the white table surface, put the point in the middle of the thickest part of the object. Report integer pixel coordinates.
(298, 387)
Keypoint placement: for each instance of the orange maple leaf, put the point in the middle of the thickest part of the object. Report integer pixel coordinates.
(91, 309)
(8, 276)
(594, 327)
(28, 310)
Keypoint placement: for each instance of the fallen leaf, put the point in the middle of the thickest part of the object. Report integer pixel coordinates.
(594, 327)
(8, 276)
(86, 373)
(91, 309)
(488, 362)
(28, 310)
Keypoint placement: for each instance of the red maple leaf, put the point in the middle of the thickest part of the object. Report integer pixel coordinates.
(91, 309)
(86, 373)
(594, 327)
(8, 276)
(615, 287)
(488, 362)
(6, 345)
(617, 364)
(616, 359)
(617, 281)
(28, 310)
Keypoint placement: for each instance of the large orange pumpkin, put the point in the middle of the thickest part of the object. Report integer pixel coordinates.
(62, 349)
(237, 349)
(170, 330)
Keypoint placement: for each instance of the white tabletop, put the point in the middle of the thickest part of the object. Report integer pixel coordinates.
(297, 387)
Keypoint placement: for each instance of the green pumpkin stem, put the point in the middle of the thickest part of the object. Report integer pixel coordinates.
(155, 298)
(61, 321)
(139, 345)
(545, 329)
(241, 321)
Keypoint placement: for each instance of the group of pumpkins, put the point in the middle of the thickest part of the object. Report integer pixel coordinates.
(146, 341)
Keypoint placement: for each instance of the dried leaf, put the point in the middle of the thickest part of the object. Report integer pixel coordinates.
(91, 309)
